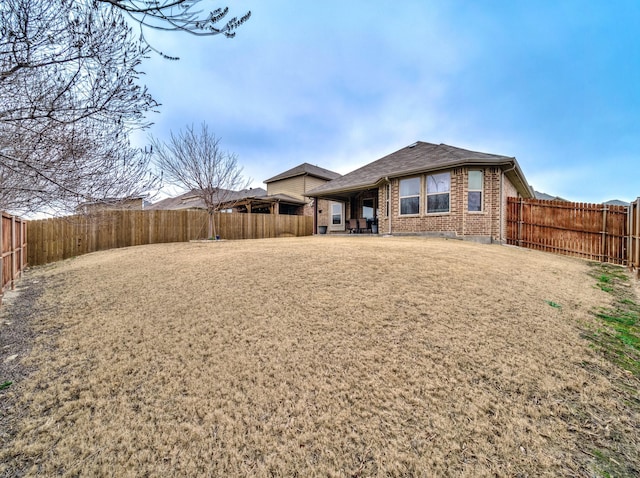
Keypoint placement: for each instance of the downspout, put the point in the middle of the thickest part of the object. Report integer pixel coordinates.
(388, 201)
(504, 171)
(315, 215)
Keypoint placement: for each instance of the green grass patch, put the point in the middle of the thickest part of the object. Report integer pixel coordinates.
(606, 467)
(618, 336)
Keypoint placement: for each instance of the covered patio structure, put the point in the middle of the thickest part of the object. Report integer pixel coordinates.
(352, 211)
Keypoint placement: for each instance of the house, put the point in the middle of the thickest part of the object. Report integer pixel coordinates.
(285, 194)
(429, 189)
(616, 202)
(112, 204)
(246, 200)
(547, 197)
(292, 186)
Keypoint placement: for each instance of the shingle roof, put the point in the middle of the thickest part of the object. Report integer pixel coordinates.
(302, 169)
(190, 200)
(416, 158)
(283, 198)
(616, 202)
(547, 197)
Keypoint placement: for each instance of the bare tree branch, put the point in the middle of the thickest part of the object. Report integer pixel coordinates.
(69, 97)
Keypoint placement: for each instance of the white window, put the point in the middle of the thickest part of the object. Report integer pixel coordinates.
(410, 196)
(474, 198)
(438, 193)
(336, 217)
(387, 199)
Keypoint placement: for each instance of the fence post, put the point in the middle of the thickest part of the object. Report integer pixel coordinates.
(1, 255)
(520, 207)
(23, 244)
(636, 232)
(630, 232)
(603, 241)
(14, 261)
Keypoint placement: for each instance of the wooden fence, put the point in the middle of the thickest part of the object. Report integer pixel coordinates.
(13, 234)
(633, 249)
(55, 239)
(592, 231)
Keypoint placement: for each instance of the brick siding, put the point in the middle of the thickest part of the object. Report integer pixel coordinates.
(486, 225)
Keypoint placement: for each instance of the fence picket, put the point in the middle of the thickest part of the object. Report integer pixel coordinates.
(592, 231)
(51, 240)
(13, 259)
(634, 237)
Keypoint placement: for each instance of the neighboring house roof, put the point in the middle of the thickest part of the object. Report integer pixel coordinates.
(305, 169)
(191, 200)
(616, 202)
(418, 158)
(547, 197)
(113, 203)
(283, 198)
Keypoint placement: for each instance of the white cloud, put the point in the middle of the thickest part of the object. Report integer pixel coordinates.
(340, 84)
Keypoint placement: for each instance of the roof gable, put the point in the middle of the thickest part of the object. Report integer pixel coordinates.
(305, 169)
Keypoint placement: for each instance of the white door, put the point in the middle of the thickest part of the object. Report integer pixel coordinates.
(336, 216)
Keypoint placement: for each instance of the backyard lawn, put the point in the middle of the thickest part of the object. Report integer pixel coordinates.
(315, 356)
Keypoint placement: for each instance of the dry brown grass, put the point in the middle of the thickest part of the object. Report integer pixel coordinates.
(321, 356)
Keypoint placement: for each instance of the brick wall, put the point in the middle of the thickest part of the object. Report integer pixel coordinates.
(487, 222)
(323, 212)
(458, 221)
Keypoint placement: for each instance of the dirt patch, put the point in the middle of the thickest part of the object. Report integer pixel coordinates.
(316, 356)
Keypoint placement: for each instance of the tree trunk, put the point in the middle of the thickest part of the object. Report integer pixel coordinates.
(212, 226)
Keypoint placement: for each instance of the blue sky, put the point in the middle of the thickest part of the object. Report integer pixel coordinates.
(342, 83)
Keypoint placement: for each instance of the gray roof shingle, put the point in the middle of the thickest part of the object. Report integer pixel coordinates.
(190, 199)
(413, 159)
(302, 169)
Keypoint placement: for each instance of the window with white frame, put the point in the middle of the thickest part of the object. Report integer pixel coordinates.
(438, 192)
(387, 199)
(474, 198)
(410, 196)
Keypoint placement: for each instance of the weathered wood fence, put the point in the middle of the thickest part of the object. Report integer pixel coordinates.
(633, 249)
(55, 239)
(13, 233)
(593, 231)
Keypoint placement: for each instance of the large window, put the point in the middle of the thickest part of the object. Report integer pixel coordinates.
(410, 196)
(438, 192)
(474, 202)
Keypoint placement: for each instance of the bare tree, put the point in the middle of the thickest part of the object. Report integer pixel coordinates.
(70, 96)
(193, 160)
